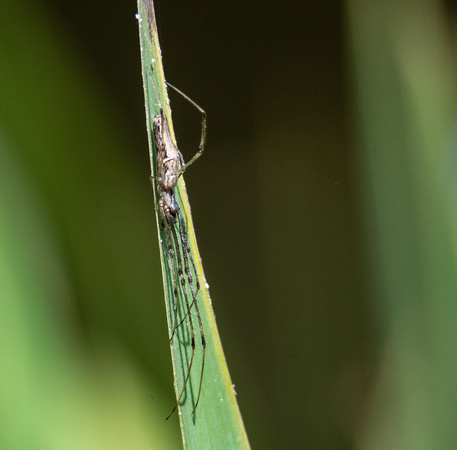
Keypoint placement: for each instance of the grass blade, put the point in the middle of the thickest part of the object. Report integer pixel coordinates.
(217, 421)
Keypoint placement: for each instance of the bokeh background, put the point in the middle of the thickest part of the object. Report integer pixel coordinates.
(324, 208)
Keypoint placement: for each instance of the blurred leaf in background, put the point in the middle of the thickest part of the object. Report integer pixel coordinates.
(77, 253)
(406, 84)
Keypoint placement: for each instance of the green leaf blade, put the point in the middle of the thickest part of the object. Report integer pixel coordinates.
(216, 422)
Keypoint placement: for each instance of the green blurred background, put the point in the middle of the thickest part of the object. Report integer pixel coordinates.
(324, 207)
